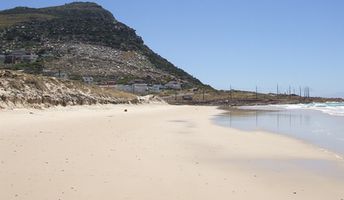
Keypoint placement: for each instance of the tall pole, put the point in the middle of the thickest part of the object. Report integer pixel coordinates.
(277, 91)
(307, 92)
(256, 92)
(289, 92)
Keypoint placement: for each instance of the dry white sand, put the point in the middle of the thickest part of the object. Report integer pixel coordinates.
(155, 152)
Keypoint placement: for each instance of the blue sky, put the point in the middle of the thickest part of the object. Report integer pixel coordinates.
(242, 43)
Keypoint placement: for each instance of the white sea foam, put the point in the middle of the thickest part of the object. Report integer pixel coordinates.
(331, 108)
(338, 157)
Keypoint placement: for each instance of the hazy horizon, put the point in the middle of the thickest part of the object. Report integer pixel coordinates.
(240, 43)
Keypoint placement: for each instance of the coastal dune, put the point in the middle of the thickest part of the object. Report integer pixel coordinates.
(155, 152)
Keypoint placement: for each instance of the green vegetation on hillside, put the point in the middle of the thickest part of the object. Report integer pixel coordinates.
(7, 20)
(77, 22)
(32, 68)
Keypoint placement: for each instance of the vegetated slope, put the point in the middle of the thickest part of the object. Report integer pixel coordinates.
(86, 33)
(26, 90)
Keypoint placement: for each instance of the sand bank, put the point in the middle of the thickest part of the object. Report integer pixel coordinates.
(155, 152)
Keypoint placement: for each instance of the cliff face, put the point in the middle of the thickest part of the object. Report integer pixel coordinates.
(85, 39)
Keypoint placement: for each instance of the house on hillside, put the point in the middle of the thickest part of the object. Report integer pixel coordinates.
(140, 88)
(175, 85)
(87, 79)
(19, 56)
(156, 88)
(124, 88)
(61, 75)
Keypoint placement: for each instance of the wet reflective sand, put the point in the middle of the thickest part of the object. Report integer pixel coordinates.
(314, 127)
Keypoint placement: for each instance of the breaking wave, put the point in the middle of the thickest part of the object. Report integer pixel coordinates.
(331, 108)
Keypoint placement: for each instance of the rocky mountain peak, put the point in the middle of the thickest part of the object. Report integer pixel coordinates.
(56, 30)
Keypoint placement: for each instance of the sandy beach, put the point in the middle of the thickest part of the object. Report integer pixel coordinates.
(155, 152)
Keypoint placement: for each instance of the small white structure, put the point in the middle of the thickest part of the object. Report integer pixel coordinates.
(140, 88)
(61, 75)
(18, 56)
(87, 79)
(156, 88)
(173, 85)
(124, 88)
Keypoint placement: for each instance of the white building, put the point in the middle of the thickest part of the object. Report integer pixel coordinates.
(173, 85)
(140, 88)
(156, 88)
(87, 79)
(61, 75)
(19, 56)
(124, 88)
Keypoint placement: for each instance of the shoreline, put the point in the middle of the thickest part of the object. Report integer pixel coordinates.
(328, 151)
(155, 152)
(266, 113)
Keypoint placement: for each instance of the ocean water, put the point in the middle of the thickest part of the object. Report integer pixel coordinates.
(321, 124)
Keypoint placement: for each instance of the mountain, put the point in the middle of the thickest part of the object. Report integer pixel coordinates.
(83, 39)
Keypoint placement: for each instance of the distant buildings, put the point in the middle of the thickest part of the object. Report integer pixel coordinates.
(61, 75)
(87, 79)
(175, 85)
(156, 88)
(139, 88)
(18, 56)
(124, 88)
